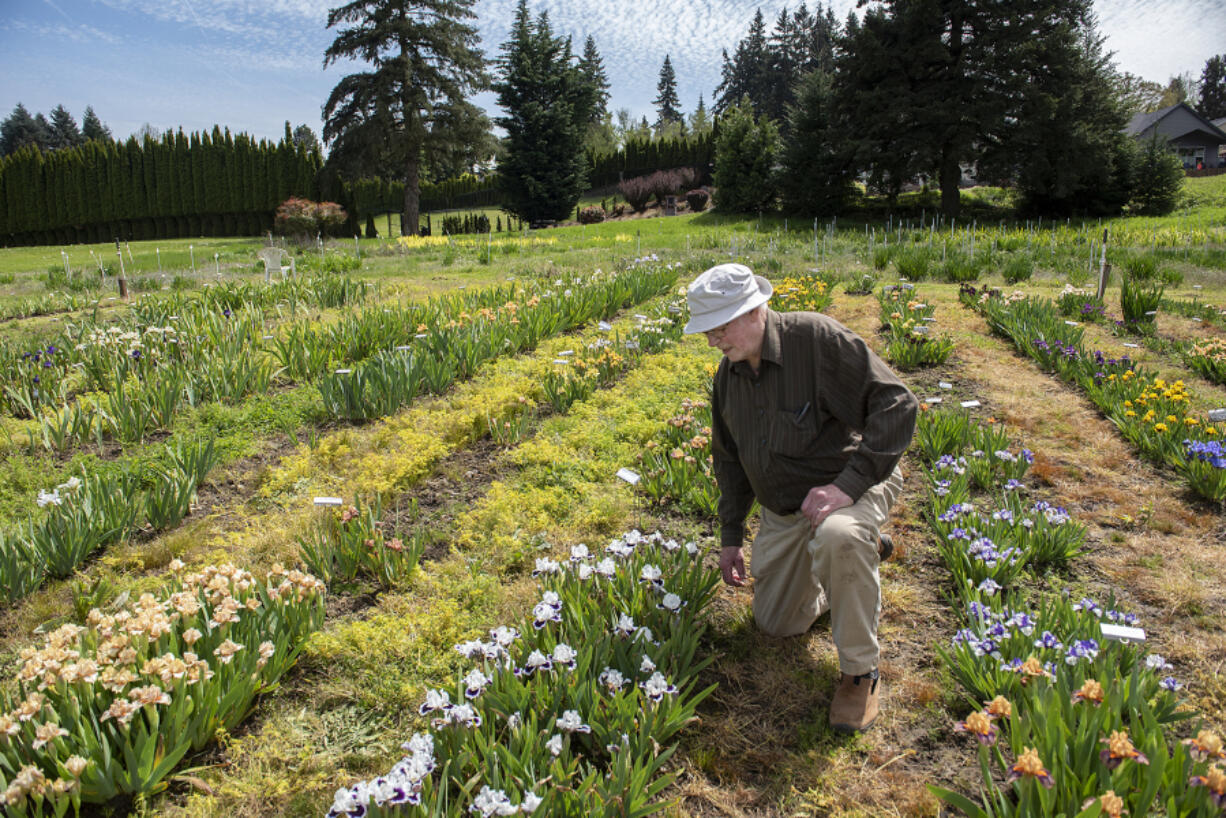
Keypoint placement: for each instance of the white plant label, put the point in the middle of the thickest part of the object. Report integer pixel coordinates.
(328, 501)
(945, 385)
(969, 404)
(933, 400)
(627, 475)
(1122, 633)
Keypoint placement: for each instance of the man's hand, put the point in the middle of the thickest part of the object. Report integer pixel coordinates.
(821, 502)
(732, 566)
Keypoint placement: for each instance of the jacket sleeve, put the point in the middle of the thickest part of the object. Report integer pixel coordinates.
(864, 394)
(735, 493)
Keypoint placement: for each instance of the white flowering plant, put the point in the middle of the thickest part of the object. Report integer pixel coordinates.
(110, 708)
(568, 711)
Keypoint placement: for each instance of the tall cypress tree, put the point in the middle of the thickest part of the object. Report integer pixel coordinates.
(1213, 88)
(544, 170)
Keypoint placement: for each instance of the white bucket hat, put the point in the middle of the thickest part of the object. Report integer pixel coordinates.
(723, 293)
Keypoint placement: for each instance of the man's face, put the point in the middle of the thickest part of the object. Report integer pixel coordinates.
(741, 338)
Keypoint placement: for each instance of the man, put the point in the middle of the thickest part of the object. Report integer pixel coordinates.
(811, 423)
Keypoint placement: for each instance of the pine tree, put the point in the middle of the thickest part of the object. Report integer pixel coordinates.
(64, 130)
(92, 127)
(1213, 88)
(543, 172)
(422, 52)
(668, 105)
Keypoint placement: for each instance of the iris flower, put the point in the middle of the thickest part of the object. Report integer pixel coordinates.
(1119, 748)
(1029, 765)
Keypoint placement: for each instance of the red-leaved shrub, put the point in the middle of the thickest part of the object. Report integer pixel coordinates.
(303, 218)
(637, 192)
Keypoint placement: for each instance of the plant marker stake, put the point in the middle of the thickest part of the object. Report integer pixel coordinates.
(969, 404)
(1104, 269)
(123, 281)
(1122, 633)
(158, 250)
(328, 501)
(1217, 415)
(192, 249)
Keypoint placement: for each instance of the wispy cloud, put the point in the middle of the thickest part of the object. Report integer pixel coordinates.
(60, 32)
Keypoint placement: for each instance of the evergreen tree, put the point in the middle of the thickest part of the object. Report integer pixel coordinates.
(745, 154)
(748, 72)
(1158, 178)
(21, 129)
(1213, 88)
(817, 178)
(668, 105)
(422, 53)
(1137, 95)
(544, 168)
(64, 130)
(461, 141)
(700, 122)
(1063, 141)
(305, 138)
(92, 127)
(591, 67)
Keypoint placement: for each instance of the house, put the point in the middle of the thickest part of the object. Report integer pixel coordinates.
(1194, 139)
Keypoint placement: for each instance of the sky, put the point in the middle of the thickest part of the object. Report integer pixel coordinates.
(250, 65)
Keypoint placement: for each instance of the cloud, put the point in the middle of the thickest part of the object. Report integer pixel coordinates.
(59, 32)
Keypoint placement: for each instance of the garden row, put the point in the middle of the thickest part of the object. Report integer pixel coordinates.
(346, 544)
(1073, 718)
(1153, 415)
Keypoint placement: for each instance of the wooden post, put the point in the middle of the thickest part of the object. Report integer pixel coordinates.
(1104, 269)
(123, 281)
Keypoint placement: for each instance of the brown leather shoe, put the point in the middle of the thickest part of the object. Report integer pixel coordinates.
(885, 547)
(855, 703)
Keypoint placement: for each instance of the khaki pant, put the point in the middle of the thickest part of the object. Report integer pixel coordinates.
(799, 572)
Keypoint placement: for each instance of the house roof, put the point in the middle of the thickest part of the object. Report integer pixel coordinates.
(1144, 121)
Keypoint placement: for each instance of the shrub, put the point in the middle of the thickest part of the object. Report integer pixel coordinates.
(697, 200)
(591, 215)
(302, 218)
(1018, 269)
(637, 192)
(687, 178)
(663, 183)
(1157, 180)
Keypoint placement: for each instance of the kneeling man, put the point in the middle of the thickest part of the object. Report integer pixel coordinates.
(811, 423)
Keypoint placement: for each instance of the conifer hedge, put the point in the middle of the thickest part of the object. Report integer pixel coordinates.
(205, 184)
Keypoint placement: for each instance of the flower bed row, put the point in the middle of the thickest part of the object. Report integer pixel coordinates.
(450, 350)
(88, 513)
(1071, 722)
(110, 708)
(908, 326)
(1153, 415)
(567, 711)
(160, 332)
